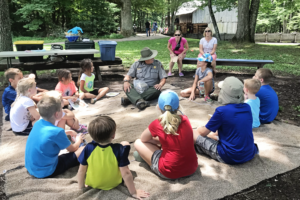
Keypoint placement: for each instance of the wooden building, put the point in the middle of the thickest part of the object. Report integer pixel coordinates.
(193, 20)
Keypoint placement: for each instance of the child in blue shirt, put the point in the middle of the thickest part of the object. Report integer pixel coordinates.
(12, 75)
(251, 87)
(46, 140)
(103, 165)
(269, 105)
(232, 123)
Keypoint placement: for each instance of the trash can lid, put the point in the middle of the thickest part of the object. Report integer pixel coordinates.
(108, 42)
(30, 42)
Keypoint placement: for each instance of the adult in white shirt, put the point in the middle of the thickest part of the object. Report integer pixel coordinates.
(208, 44)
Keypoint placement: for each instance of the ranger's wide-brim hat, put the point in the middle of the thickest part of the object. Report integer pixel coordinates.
(147, 54)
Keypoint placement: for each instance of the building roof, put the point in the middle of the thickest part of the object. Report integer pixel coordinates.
(188, 8)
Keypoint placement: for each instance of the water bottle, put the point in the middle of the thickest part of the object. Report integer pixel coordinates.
(201, 89)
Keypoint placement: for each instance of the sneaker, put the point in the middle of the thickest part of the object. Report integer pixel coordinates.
(93, 101)
(169, 74)
(142, 104)
(82, 129)
(137, 157)
(125, 101)
(181, 74)
(207, 99)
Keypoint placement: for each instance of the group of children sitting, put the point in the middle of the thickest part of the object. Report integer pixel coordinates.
(168, 145)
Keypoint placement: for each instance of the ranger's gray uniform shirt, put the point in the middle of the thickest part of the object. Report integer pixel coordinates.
(150, 74)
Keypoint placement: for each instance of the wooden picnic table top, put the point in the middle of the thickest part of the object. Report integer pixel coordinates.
(32, 53)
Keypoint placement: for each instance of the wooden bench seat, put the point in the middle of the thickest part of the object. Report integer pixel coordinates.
(233, 62)
(45, 65)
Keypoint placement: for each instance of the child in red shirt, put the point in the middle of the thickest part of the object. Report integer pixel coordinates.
(167, 144)
(66, 86)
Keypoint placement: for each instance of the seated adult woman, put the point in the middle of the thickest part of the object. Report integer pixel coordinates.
(204, 80)
(167, 144)
(178, 46)
(230, 126)
(208, 44)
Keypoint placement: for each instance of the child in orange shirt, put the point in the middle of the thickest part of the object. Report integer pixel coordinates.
(66, 86)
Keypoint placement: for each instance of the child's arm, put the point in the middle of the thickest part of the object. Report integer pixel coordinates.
(74, 98)
(81, 175)
(128, 179)
(75, 146)
(82, 82)
(68, 114)
(34, 113)
(207, 78)
(147, 137)
(41, 90)
(192, 96)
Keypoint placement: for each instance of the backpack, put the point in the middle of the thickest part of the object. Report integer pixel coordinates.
(56, 58)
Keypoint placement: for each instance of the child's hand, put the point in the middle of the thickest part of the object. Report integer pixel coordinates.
(140, 194)
(80, 137)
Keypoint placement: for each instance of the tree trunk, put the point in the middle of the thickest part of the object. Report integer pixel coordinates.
(169, 12)
(253, 18)
(213, 19)
(5, 27)
(134, 18)
(162, 20)
(126, 19)
(171, 29)
(243, 30)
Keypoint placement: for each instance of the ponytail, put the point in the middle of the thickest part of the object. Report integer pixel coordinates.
(170, 121)
(209, 65)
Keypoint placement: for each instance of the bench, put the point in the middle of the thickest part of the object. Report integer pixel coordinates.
(233, 62)
(45, 65)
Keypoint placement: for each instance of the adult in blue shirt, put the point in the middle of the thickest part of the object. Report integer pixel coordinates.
(231, 127)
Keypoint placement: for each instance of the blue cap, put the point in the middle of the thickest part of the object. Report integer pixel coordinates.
(206, 57)
(168, 98)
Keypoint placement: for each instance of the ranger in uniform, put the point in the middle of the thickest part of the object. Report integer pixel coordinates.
(151, 72)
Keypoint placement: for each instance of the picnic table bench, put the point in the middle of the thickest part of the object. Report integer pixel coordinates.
(233, 62)
(46, 64)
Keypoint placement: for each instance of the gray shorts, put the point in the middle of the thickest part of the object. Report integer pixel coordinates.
(154, 161)
(208, 146)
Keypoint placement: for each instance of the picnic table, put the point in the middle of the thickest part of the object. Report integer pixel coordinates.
(233, 62)
(46, 64)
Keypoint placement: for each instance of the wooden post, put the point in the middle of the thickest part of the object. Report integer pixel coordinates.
(98, 74)
(280, 40)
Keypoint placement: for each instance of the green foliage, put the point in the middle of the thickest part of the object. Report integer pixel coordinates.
(54, 17)
(273, 13)
(297, 108)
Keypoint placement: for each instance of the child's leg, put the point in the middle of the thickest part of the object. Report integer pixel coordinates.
(73, 123)
(102, 92)
(86, 96)
(145, 150)
(62, 123)
(208, 86)
(187, 92)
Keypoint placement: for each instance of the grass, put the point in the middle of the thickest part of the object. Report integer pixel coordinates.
(286, 58)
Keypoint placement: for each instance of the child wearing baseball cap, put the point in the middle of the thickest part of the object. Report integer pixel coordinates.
(204, 80)
(167, 144)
